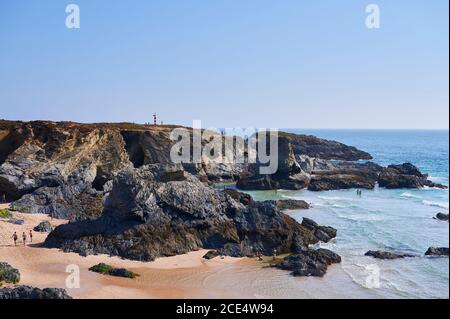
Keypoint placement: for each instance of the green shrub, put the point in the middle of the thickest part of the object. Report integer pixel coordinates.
(8, 274)
(5, 213)
(101, 268)
(105, 269)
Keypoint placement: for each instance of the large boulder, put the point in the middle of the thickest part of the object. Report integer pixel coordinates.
(43, 227)
(147, 216)
(323, 233)
(27, 292)
(310, 262)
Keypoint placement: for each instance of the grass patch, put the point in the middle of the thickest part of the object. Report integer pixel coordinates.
(105, 269)
(8, 274)
(5, 213)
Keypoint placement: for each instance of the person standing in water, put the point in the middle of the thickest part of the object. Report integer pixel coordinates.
(14, 237)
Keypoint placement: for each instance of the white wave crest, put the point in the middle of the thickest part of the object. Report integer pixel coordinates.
(409, 195)
(435, 204)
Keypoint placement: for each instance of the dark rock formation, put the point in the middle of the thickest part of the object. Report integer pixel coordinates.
(386, 254)
(43, 227)
(211, 254)
(243, 198)
(145, 217)
(310, 262)
(437, 251)
(64, 169)
(345, 176)
(27, 292)
(442, 216)
(8, 274)
(323, 233)
(320, 148)
(291, 204)
(404, 176)
(105, 269)
(288, 176)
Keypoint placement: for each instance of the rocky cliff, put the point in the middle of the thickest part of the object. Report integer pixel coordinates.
(159, 210)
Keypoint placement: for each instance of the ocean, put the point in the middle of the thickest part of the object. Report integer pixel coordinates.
(397, 220)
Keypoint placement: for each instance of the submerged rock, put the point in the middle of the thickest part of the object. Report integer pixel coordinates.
(437, 251)
(386, 254)
(27, 292)
(310, 262)
(146, 216)
(43, 227)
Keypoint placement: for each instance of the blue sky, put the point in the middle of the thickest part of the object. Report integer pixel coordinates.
(229, 63)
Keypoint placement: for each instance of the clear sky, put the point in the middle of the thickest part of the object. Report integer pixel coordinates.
(229, 63)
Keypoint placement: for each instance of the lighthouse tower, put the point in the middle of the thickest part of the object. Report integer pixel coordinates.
(154, 119)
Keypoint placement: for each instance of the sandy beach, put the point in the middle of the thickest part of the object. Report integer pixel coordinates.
(183, 276)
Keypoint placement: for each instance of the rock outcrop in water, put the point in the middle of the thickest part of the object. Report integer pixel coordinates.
(386, 254)
(437, 251)
(288, 176)
(315, 174)
(315, 147)
(404, 176)
(442, 216)
(27, 292)
(158, 210)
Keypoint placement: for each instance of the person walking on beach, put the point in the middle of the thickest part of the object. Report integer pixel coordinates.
(14, 237)
(24, 236)
(259, 256)
(31, 235)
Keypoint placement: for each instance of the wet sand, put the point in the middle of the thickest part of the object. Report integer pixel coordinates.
(183, 276)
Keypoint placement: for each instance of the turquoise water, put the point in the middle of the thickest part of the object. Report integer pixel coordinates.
(400, 220)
